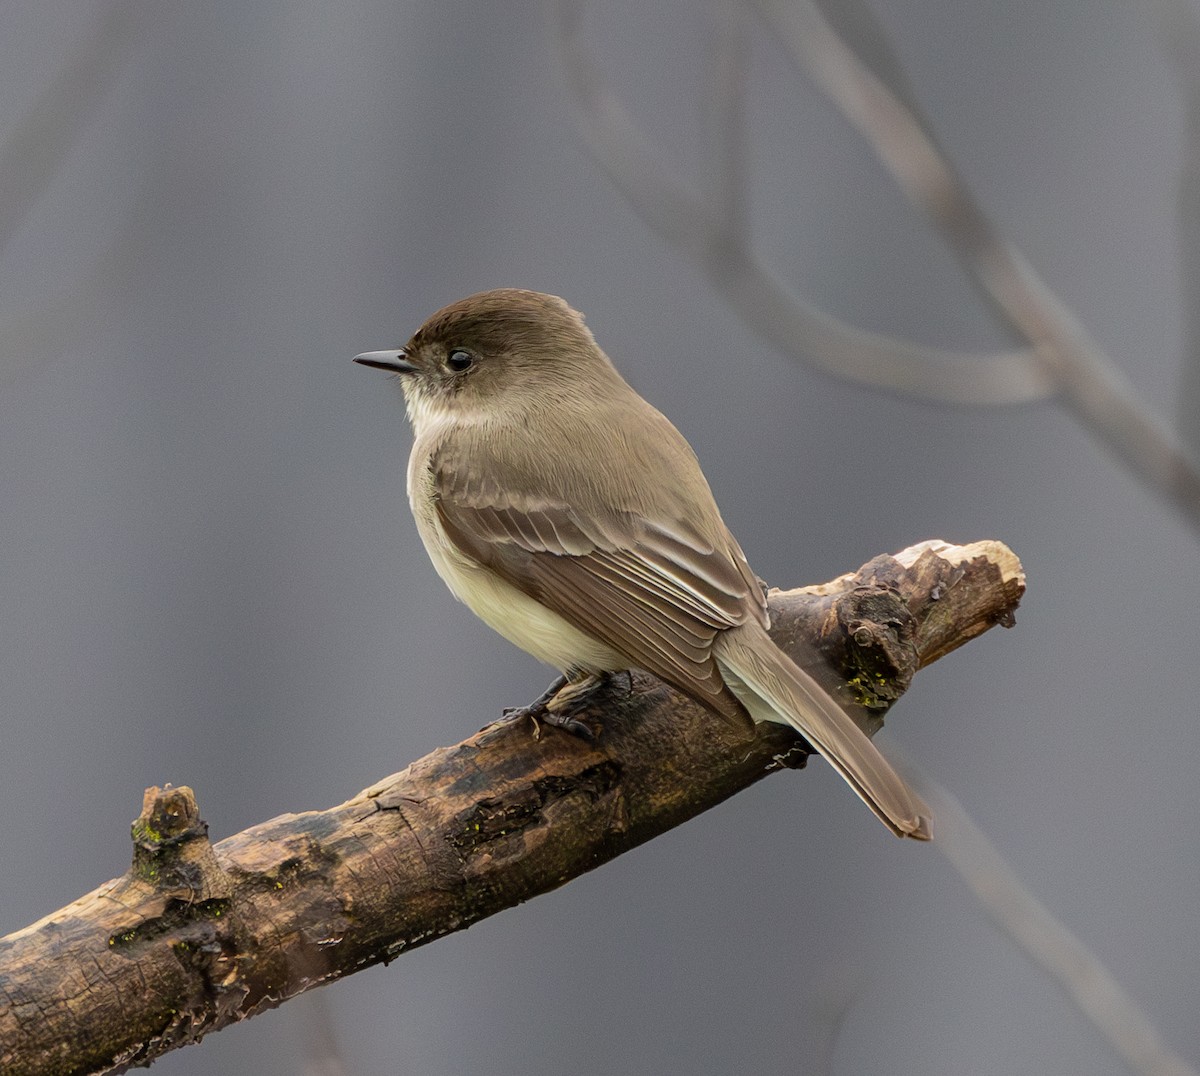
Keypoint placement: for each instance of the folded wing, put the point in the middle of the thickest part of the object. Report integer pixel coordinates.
(655, 590)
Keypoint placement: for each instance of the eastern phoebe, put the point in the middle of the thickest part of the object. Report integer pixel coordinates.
(573, 518)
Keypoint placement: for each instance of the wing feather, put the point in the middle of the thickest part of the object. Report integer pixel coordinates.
(653, 590)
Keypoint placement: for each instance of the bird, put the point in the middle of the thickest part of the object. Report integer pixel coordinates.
(574, 519)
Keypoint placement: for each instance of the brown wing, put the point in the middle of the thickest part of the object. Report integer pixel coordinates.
(654, 590)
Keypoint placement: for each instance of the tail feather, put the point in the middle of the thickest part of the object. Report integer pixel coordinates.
(773, 688)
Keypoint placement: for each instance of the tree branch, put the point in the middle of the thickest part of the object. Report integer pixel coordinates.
(195, 937)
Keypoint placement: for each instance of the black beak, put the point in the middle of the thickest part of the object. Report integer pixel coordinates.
(394, 362)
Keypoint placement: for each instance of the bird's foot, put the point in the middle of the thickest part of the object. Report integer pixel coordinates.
(560, 702)
(536, 711)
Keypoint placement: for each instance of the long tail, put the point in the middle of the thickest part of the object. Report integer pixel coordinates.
(773, 688)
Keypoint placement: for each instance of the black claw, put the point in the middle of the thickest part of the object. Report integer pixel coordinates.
(535, 714)
(570, 696)
(569, 724)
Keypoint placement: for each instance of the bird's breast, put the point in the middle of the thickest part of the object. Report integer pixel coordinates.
(505, 609)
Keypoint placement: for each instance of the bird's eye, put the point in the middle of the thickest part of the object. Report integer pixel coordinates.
(459, 360)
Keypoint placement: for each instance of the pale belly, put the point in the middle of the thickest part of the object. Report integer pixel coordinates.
(534, 628)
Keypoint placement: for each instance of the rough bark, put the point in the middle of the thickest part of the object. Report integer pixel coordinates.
(195, 936)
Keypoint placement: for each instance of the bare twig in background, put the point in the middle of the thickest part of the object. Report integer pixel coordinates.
(1063, 357)
(1099, 395)
(1091, 385)
(855, 23)
(695, 227)
(1046, 941)
(1179, 29)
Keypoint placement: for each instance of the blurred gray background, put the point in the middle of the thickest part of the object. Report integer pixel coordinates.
(209, 576)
